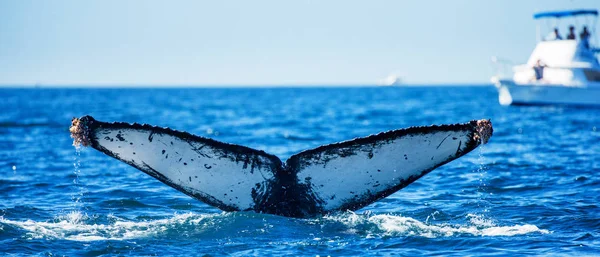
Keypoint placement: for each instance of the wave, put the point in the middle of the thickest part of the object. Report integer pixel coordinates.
(78, 226)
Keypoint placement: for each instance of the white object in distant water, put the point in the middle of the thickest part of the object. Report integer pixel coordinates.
(391, 80)
(570, 73)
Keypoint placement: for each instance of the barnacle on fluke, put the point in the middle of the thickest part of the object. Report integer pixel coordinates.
(341, 176)
(484, 130)
(79, 132)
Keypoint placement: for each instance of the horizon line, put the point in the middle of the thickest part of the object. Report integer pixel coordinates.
(271, 85)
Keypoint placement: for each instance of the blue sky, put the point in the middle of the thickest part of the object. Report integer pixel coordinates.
(263, 42)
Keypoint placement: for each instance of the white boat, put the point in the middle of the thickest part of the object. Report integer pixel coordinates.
(558, 72)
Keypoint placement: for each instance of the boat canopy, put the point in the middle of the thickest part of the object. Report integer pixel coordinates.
(561, 14)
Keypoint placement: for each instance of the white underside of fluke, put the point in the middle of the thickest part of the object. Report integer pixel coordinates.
(374, 168)
(197, 168)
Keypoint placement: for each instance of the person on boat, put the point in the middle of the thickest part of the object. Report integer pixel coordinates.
(584, 36)
(554, 36)
(557, 35)
(539, 70)
(571, 34)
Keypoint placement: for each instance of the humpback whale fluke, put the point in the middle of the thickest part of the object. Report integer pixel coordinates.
(341, 176)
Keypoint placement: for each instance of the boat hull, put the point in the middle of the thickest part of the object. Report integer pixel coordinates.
(510, 93)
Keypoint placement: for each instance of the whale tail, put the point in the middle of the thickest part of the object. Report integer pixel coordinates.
(341, 176)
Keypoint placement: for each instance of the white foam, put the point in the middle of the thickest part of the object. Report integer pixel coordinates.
(480, 220)
(76, 226)
(73, 227)
(392, 225)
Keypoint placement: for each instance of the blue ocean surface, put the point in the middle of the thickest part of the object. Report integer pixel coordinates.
(533, 189)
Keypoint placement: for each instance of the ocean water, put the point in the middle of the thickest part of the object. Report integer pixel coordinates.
(533, 189)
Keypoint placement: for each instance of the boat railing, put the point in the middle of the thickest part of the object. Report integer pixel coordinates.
(503, 68)
(573, 65)
(585, 18)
